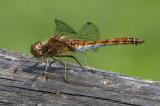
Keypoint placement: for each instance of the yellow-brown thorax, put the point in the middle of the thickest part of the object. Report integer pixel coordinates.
(53, 47)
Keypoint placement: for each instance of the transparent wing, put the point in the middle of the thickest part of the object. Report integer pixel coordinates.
(89, 32)
(80, 57)
(63, 29)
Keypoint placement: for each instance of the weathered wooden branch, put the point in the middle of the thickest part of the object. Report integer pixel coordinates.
(90, 88)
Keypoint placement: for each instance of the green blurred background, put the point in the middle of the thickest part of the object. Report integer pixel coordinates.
(24, 21)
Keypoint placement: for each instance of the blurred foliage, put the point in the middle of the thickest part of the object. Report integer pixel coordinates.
(24, 21)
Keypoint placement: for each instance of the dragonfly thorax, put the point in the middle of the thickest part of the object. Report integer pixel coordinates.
(53, 47)
(56, 46)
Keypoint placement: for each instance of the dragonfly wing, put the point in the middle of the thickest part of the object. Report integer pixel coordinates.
(89, 32)
(80, 56)
(63, 29)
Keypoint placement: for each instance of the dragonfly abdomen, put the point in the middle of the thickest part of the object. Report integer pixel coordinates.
(85, 45)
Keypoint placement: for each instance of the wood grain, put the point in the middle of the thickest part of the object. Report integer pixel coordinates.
(90, 88)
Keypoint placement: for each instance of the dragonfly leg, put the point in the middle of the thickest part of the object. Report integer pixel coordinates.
(65, 68)
(52, 62)
(34, 66)
(46, 65)
(45, 70)
(42, 72)
(70, 56)
(58, 61)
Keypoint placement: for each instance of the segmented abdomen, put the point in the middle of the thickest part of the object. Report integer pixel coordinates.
(85, 45)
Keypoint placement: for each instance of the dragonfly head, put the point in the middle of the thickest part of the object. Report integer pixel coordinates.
(36, 49)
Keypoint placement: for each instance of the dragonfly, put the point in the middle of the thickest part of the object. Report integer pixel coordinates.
(67, 43)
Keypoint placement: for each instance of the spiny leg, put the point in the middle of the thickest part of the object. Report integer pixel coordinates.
(63, 65)
(52, 62)
(58, 61)
(43, 71)
(65, 78)
(72, 58)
